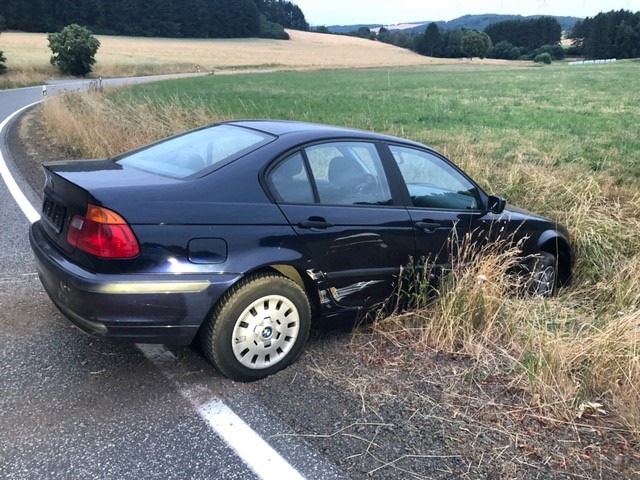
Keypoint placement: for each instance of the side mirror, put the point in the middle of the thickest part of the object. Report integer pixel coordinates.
(496, 204)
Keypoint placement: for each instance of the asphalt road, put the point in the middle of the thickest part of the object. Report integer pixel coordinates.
(72, 406)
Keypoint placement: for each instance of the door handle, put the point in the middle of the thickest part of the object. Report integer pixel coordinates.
(428, 226)
(315, 224)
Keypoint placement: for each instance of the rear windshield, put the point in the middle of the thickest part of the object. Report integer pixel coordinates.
(196, 151)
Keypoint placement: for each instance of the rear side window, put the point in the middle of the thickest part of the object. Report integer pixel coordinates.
(343, 173)
(290, 181)
(348, 173)
(195, 151)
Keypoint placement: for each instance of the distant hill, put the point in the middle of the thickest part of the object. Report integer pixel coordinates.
(471, 22)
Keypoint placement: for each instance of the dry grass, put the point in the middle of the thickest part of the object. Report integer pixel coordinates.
(83, 124)
(127, 56)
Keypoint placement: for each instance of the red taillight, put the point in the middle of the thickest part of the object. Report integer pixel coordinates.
(103, 233)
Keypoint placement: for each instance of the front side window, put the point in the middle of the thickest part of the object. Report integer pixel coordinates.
(432, 182)
(193, 152)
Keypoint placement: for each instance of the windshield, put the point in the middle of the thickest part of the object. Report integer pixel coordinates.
(195, 151)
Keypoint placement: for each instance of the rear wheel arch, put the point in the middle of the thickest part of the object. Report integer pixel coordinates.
(294, 274)
(304, 282)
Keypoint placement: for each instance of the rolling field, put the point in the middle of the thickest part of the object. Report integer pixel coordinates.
(28, 55)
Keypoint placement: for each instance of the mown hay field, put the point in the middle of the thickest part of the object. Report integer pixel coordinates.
(28, 55)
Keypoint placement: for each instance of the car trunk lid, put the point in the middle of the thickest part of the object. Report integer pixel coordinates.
(71, 186)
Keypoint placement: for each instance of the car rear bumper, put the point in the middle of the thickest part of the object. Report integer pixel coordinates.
(154, 308)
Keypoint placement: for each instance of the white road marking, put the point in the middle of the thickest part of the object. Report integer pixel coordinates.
(24, 204)
(248, 445)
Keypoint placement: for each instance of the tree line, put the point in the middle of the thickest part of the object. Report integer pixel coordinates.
(509, 39)
(157, 18)
(615, 34)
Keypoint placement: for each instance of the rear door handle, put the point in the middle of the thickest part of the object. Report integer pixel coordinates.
(428, 226)
(315, 224)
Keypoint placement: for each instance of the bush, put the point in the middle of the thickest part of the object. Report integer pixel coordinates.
(3, 67)
(543, 58)
(556, 51)
(273, 30)
(74, 50)
(505, 50)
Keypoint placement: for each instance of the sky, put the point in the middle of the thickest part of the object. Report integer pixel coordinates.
(388, 12)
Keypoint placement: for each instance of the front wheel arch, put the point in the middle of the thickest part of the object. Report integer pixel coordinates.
(561, 250)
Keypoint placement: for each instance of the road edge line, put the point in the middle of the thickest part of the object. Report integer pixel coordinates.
(250, 447)
(25, 205)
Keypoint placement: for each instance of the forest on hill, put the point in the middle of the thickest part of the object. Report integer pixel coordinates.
(466, 22)
(614, 34)
(157, 18)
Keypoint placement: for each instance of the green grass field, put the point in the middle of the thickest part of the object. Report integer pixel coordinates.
(559, 114)
(561, 141)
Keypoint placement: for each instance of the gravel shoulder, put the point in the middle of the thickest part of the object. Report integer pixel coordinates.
(431, 415)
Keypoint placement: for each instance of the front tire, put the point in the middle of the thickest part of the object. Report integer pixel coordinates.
(259, 327)
(542, 274)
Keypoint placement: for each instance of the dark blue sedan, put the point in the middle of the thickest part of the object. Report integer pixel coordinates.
(241, 232)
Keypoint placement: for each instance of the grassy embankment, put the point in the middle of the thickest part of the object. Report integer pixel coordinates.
(558, 140)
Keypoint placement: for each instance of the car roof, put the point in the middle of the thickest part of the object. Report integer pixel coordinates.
(284, 127)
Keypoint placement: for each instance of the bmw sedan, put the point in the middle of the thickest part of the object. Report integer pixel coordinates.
(239, 233)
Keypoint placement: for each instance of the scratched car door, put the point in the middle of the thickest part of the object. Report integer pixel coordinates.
(337, 198)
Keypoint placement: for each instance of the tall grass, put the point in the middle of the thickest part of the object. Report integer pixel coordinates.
(91, 125)
(561, 350)
(557, 141)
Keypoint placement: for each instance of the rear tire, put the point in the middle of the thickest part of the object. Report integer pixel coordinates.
(541, 275)
(259, 327)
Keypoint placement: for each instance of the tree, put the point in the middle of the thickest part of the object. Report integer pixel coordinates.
(432, 43)
(475, 44)
(74, 50)
(453, 43)
(383, 35)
